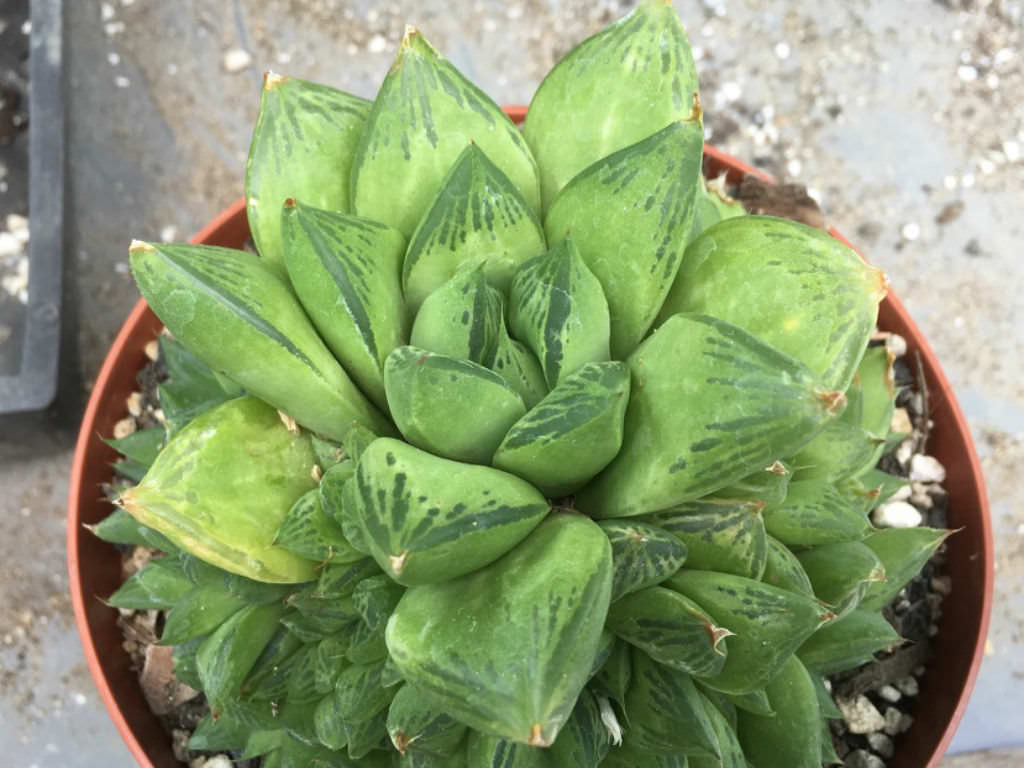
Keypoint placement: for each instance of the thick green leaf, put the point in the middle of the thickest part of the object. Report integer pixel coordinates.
(240, 319)
(359, 696)
(227, 656)
(453, 408)
(826, 704)
(224, 505)
(667, 712)
(265, 679)
(424, 117)
(346, 272)
(462, 318)
(769, 625)
(183, 659)
(119, 527)
(630, 214)
(313, 627)
(557, 307)
(615, 88)
(629, 755)
(190, 389)
(303, 145)
(728, 742)
(793, 286)
(330, 661)
(141, 446)
(429, 519)
(302, 679)
(572, 434)
(613, 679)
(478, 217)
(310, 533)
(754, 701)
(519, 368)
(817, 512)
(848, 642)
(783, 569)
(339, 581)
(713, 205)
(585, 740)
(494, 752)
(160, 585)
(745, 405)
(642, 555)
(201, 610)
(231, 728)
(902, 553)
(878, 383)
(375, 598)
(768, 486)
(719, 535)
(337, 498)
(367, 646)
(329, 454)
(415, 725)
(842, 573)
(540, 610)
(672, 629)
(881, 485)
(330, 728)
(792, 738)
(367, 736)
(132, 471)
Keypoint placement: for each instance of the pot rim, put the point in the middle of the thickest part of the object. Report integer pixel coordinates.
(234, 217)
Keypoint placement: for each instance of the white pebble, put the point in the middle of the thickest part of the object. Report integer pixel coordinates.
(236, 59)
(152, 349)
(731, 91)
(967, 73)
(911, 231)
(106, 11)
(169, 233)
(902, 494)
(9, 245)
(1012, 150)
(378, 43)
(782, 50)
(794, 166)
(949, 182)
(919, 496)
(134, 404)
(967, 180)
(218, 761)
(942, 584)
(896, 514)
(896, 345)
(122, 82)
(926, 469)
(113, 28)
(905, 451)
(992, 81)
(908, 686)
(881, 744)
(113, 58)
(900, 422)
(889, 693)
(860, 715)
(124, 427)
(861, 758)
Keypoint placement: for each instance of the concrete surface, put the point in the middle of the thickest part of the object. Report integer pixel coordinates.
(905, 119)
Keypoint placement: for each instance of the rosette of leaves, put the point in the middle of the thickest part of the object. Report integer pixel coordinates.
(513, 448)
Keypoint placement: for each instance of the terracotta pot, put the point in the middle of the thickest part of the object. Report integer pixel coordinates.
(95, 569)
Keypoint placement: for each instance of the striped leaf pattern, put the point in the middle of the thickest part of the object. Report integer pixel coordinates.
(769, 624)
(461, 319)
(239, 318)
(345, 271)
(610, 91)
(902, 552)
(629, 215)
(726, 536)
(672, 629)
(429, 519)
(847, 642)
(557, 307)
(746, 404)
(642, 555)
(816, 512)
(570, 435)
(302, 147)
(519, 368)
(425, 115)
(452, 408)
(793, 286)
(539, 609)
(841, 573)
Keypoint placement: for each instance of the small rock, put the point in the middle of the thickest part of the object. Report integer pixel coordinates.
(378, 43)
(950, 212)
(902, 494)
(179, 744)
(973, 247)
(896, 345)
(893, 718)
(860, 715)
(134, 404)
(896, 514)
(152, 350)
(911, 231)
(236, 59)
(905, 722)
(124, 427)
(919, 496)
(905, 452)
(901, 422)
(908, 686)
(881, 744)
(889, 693)
(218, 761)
(861, 758)
(158, 414)
(926, 469)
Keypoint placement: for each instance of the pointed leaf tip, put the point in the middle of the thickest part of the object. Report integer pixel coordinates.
(833, 402)
(140, 245)
(271, 80)
(290, 203)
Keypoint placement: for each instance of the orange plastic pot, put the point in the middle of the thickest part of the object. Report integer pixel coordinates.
(95, 567)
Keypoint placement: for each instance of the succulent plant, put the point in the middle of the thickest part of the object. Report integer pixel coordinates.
(513, 448)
